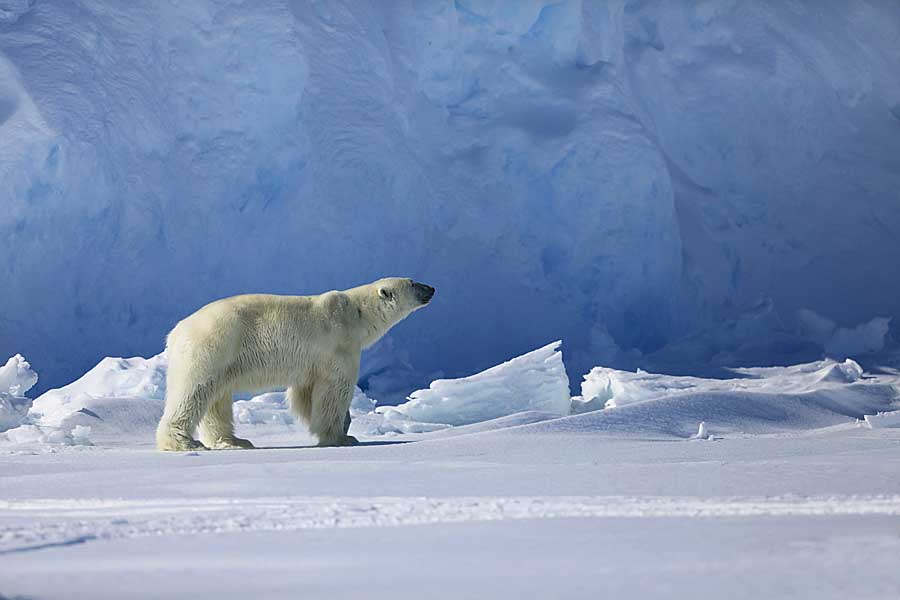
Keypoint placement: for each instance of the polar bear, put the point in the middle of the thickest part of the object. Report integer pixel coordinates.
(308, 344)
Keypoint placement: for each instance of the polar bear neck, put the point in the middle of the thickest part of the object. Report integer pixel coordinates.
(376, 316)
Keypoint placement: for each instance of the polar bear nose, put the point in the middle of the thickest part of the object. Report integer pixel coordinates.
(424, 293)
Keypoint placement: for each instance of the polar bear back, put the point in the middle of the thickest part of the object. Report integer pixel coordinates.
(237, 335)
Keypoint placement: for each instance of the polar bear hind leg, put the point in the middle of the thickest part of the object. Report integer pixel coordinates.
(182, 415)
(217, 425)
(300, 399)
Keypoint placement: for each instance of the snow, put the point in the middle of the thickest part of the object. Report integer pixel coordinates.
(535, 381)
(625, 176)
(621, 500)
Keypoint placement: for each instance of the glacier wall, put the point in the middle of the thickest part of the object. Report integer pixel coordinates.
(622, 175)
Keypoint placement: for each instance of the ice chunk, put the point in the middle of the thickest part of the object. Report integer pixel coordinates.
(16, 378)
(534, 381)
(12, 411)
(361, 404)
(883, 420)
(702, 433)
(268, 408)
(81, 435)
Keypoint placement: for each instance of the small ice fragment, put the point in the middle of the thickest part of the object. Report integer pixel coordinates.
(702, 433)
(81, 435)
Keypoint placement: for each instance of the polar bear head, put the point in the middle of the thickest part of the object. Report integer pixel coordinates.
(403, 295)
(384, 303)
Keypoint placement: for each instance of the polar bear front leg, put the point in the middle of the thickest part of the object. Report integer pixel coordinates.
(330, 403)
(217, 425)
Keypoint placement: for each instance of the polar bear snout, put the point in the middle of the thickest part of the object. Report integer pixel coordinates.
(424, 293)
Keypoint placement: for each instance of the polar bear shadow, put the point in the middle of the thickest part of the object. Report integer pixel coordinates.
(358, 445)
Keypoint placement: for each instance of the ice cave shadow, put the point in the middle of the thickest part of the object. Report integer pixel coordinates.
(359, 445)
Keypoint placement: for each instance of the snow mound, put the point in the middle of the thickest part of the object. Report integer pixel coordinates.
(515, 420)
(117, 400)
(612, 388)
(16, 378)
(755, 401)
(535, 381)
(136, 378)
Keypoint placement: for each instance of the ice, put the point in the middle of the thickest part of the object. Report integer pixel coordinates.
(702, 432)
(535, 381)
(12, 411)
(841, 342)
(883, 419)
(621, 176)
(16, 378)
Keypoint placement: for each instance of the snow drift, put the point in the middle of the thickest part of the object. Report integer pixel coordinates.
(609, 388)
(753, 401)
(618, 174)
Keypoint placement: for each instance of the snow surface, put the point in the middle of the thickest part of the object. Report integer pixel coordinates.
(778, 482)
(624, 175)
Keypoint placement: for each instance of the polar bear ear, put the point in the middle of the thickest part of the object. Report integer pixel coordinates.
(386, 294)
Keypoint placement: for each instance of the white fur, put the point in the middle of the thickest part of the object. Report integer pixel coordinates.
(308, 344)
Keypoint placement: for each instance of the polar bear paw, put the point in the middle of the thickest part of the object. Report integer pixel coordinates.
(342, 440)
(180, 444)
(231, 443)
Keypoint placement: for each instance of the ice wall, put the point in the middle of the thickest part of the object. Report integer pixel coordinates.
(616, 174)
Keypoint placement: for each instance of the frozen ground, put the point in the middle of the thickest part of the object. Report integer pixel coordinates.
(793, 492)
